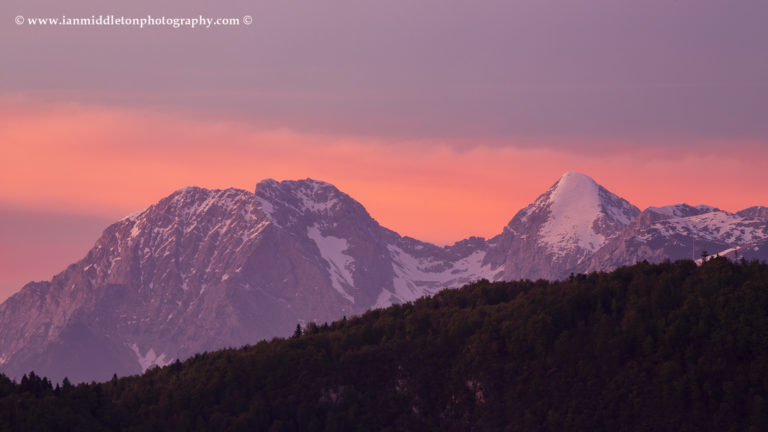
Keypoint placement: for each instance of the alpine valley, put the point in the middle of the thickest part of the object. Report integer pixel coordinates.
(206, 269)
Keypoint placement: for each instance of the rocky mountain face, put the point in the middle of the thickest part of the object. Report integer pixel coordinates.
(205, 269)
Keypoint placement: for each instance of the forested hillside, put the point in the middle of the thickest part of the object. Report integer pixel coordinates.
(670, 346)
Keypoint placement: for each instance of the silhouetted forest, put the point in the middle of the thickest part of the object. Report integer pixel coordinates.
(670, 346)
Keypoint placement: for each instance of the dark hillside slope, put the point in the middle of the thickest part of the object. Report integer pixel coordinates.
(670, 346)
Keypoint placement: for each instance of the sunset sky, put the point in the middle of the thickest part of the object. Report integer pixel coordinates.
(443, 118)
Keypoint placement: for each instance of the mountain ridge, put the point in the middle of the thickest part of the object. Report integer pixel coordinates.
(203, 269)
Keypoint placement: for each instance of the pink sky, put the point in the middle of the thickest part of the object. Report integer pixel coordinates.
(96, 164)
(110, 162)
(442, 117)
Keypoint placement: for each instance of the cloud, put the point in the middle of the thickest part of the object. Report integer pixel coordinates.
(113, 161)
(577, 74)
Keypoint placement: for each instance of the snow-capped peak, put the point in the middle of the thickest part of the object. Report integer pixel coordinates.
(575, 213)
(574, 205)
(574, 189)
(571, 184)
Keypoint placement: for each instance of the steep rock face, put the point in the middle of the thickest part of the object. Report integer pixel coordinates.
(369, 265)
(345, 241)
(161, 284)
(562, 228)
(205, 269)
(200, 270)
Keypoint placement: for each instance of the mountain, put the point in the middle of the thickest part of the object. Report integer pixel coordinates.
(367, 264)
(683, 232)
(756, 212)
(205, 269)
(561, 229)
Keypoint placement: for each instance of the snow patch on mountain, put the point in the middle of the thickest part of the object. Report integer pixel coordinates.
(714, 226)
(416, 276)
(315, 197)
(268, 209)
(255, 230)
(299, 198)
(340, 265)
(623, 215)
(149, 359)
(730, 252)
(135, 231)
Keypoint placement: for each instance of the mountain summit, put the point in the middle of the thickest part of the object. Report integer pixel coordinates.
(204, 269)
(581, 215)
(566, 224)
(305, 201)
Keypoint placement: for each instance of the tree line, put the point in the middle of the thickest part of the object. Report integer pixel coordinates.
(670, 346)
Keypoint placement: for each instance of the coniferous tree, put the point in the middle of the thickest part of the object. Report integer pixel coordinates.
(297, 333)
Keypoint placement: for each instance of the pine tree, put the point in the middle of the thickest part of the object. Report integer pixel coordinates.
(297, 332)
